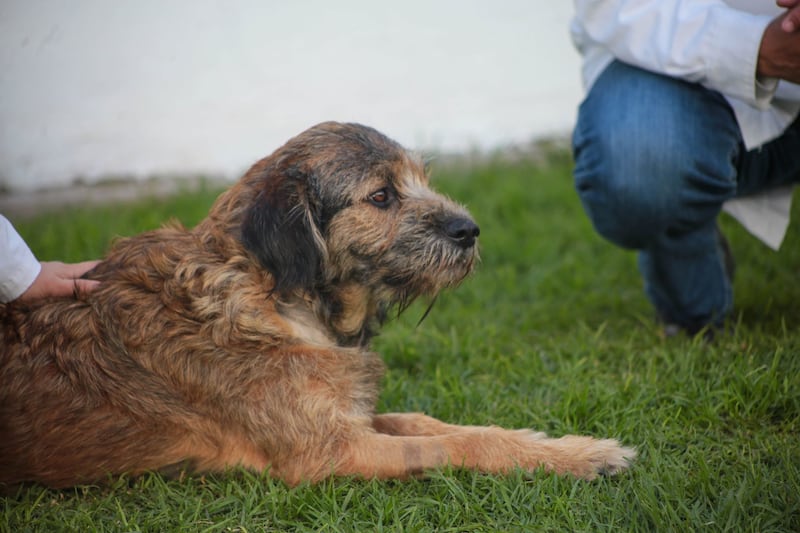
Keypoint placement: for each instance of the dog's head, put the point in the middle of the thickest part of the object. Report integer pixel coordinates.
(342, 206)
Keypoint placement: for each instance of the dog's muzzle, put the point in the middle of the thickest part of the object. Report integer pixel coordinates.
(462, 231)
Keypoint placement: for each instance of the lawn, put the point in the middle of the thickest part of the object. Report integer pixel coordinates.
(552, 332)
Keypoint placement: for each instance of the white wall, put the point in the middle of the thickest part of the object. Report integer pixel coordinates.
(91, 88)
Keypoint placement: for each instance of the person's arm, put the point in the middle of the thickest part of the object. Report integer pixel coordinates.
(702, 41)
(23, 277)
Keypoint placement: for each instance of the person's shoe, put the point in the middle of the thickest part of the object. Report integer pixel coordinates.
(669, 330)
(708, 332)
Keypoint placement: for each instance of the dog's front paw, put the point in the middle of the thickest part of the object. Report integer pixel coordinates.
(591, 457)
(583, 457)
(612, 457)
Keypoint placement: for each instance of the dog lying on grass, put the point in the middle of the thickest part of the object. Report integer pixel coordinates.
(245, 341)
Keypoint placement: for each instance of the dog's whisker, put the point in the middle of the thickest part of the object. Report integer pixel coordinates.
(427, 310)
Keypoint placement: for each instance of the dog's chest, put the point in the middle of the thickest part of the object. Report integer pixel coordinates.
(303, 325)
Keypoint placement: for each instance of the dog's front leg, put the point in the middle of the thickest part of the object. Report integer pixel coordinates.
(415, 425)
(485, 449)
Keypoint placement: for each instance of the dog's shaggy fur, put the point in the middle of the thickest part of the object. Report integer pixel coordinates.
(245, 341)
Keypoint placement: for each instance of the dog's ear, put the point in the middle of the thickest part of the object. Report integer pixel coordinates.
(280, 229)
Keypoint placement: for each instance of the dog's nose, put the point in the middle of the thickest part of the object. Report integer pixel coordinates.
(462, 231)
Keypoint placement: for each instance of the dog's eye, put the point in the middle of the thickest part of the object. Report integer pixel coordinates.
(381, 198)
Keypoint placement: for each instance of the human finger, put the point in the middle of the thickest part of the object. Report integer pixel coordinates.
(76, 270)
(791, 21)
(84, 286)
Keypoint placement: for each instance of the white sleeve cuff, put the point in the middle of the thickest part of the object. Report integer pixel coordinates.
(733, 61)
(765, 91)
(18, 266)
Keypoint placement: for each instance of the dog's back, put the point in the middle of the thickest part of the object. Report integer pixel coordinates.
(70, 384)
(103, 383)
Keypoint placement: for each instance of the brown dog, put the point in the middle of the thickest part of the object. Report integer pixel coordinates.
(244, 342)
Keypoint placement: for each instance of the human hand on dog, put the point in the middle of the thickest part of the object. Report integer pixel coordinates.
(779, 55)
(60, 279)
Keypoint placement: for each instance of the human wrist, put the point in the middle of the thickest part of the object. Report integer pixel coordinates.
(767, 63)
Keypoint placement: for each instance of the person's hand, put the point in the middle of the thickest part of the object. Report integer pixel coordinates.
(791, 20)
(60, 279)
(779, 55)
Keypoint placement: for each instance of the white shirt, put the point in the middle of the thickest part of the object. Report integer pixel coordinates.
(18, 265)
(711, 42)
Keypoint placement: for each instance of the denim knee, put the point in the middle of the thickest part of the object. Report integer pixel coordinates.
(625, 202)
(652, 155)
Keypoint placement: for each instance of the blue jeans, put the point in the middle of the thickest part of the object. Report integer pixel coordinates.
(655, 158)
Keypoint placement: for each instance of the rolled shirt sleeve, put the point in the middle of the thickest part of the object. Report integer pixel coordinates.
(702, 41)
(18, 266)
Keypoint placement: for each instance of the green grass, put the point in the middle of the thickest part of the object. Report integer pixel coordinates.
(552, 332)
